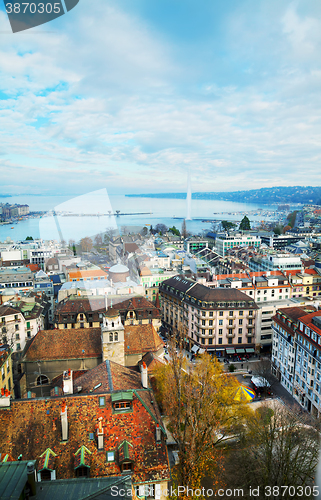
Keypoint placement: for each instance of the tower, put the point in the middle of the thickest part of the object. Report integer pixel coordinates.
(112, 337)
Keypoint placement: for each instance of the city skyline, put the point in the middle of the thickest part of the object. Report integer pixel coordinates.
(120, 95)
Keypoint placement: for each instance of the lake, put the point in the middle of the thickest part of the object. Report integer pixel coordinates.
(156, 210)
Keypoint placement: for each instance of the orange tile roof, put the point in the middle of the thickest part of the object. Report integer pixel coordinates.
(140, 339)
(34, 425)
(87, 274)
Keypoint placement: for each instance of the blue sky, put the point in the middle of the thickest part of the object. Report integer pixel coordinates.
(129, 95)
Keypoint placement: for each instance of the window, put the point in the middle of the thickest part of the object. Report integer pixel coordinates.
(123, 405)
(221, 313)
(111, 337)
(239, 340)
(241, 313)
(18, 347)
(211, 313)
(82, 472)
(230, 313)
(16, 317)
(210, 322)
(240, 330)
(45, 475)
(16, 327)
(17, 336)
(220, 331)
(230, 340)
(250, 313)
(127, 466)
(250, 321)
(220, 340)
(220, 322)
(116, 336)
(240, 322)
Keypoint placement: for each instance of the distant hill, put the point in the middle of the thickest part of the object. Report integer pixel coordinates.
(281, 194)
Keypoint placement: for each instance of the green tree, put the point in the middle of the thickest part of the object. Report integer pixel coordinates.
(227, 225)
(175, 231)
(29, 238)
(278, 229)
(245, 224)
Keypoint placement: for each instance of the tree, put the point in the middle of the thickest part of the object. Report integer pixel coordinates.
(98, 240)
(86, 244)
(198, 404)
(184, 232)
(144, 231)
(286, 228)
(278, 229)
(161, 228)
(277, 450)
(245, 224)
(29, 238)
(174, 231)
(227, 225)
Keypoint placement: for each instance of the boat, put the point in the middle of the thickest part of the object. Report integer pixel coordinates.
(12, 227)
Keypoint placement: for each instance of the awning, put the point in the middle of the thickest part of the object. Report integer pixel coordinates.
(240, 351)
(195, 348)
(230, 351)
(122, 396)
(201, 351)
(249, 349)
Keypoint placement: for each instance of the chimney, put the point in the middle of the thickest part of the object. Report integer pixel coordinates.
(31, 478)
(144, 374)
(158, 434)
(64, 422)
(100, 434)
(67, 382)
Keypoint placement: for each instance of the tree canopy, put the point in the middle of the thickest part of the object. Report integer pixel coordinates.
(227, 225)
(201, 414)
(245, 224)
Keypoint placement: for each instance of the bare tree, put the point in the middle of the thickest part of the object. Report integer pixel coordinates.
(86, 244)
(278, 454)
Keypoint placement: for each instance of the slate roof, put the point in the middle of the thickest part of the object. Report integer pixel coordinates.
(140, 339)
(33, 426)
(204, 293)
(65, 344)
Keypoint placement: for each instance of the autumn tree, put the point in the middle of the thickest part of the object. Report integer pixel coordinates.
(86, 244)
(277, 450)
(201, 414)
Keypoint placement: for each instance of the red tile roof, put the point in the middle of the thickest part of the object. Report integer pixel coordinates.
(140, 339)
(33, 426)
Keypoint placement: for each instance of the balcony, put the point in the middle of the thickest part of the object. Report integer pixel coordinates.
(248, 334)
(230, 335)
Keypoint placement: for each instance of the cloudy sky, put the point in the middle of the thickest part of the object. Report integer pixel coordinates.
(130, 94)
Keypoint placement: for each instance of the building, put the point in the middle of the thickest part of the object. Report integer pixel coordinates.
(279, 242)
(296, 356)
(225, 242)
(222, 321)
(106, 425)
(279, 261)
(194, 244)
(15, 280)
(6, 380)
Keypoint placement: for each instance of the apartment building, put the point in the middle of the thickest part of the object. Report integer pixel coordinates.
(6, 378)
(296, 357)
(221, 321)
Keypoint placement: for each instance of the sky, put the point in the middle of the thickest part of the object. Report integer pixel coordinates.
(130, 95)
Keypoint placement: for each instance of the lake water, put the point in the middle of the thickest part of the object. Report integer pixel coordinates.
(156, 210)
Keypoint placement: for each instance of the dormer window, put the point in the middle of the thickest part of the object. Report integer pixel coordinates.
(126, 456)
(122, 401)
